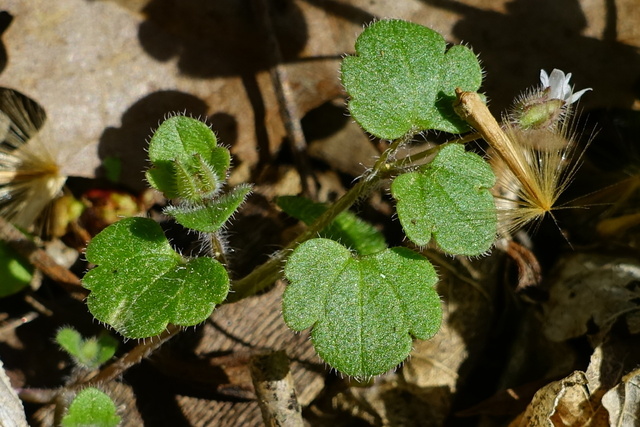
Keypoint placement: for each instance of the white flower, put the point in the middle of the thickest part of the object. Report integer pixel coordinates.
(559, 87)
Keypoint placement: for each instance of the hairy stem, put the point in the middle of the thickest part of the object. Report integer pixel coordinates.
(266, 274)
(133, 357)
(401, 165)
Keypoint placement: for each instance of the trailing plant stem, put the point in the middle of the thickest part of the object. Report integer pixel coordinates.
(270, 271)
(266, 274)
(400, 165)
(133, 357)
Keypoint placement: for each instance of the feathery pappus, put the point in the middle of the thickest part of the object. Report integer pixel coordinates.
(533, 152)
(30, 176)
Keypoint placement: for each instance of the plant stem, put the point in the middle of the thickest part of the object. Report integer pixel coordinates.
(266, 274)
(272, 270)
(402, 164)
(133, 357)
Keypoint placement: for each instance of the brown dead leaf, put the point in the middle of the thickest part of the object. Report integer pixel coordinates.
(561, 403)
(611, 360)
(623, 401)
(11, 409)
(588, 293)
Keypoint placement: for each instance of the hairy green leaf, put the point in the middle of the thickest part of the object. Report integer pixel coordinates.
(91, 407)
(403, 79)
(364, 310)
(91, 352)
(347, 228)
(141, 284)
(211, 214)
(187, 161)
(449, 200)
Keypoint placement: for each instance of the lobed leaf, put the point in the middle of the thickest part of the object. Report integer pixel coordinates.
(403, 79)
(449, 200)
(141, 284)
(364, 311)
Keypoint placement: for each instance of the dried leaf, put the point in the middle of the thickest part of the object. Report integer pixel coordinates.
(590, 291)
(560, 403)
(11, 410)
(623, 401)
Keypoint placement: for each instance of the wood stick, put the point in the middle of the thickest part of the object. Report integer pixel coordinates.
(275, 390)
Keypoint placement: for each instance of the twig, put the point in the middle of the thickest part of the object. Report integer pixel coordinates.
(289, 110)
(16, 323)
(133, 357)
(275, 391)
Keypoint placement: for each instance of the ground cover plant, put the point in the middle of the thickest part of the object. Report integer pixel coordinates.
(366, 298)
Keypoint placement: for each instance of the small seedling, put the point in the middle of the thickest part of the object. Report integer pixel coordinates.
(91, 407)
(89, 353)
(365, 302)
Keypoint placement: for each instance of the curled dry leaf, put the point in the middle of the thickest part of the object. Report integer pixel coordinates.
(561, 403)
(623, 401)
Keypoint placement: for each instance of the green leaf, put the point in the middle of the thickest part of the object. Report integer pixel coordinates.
(141, 284)
(403, 79)
(70, 340)
(91, 408)
(450, 200)
(364, 311)
(347, 228)
(15, 271)
(187, 161)
(91, 352)
(211, 215)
